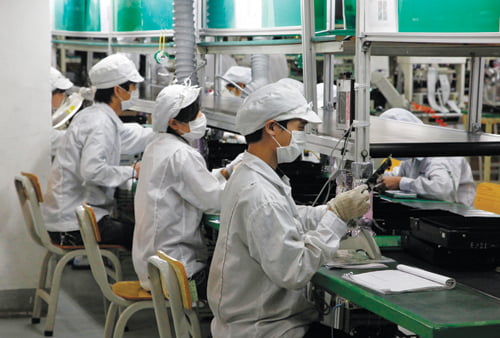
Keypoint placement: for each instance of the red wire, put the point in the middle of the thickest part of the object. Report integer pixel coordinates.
(428, 110)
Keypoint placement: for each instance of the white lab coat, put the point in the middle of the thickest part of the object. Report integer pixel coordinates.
(87, 167)
(443, 178)
(267, 250)
(56, 137)
(174, 190)
(134, 138)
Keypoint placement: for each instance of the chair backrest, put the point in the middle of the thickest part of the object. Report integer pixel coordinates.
(30, 196)
(91, 236)
(179, 277)
(488, 197)
(174, 285)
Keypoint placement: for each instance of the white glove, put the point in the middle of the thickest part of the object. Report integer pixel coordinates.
(234, 163)
(351, 204)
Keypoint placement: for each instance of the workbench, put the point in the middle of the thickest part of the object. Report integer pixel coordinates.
(462, 312)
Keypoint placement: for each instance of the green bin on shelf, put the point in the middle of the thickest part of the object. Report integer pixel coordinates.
(77, 15)
(445, 16)
(143, 15)
(221, 14)
(157, 14)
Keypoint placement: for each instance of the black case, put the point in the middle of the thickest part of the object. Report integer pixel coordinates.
(439, 255)
(458, 232)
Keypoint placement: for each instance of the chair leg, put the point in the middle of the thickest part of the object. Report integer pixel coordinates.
(42, 279)
(110, 320)
(54, 290)
(127, 313)
(162, 317)
(194, 322)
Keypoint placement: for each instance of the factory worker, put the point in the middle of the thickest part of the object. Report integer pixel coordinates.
(269, 248)
(239, 75)
(59, 85)
(442, 178)
(175, 187)
(87, 167)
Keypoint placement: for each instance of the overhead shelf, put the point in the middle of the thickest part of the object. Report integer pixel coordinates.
(432, 44)
(386, 136)
(278, 46)
(412, 140)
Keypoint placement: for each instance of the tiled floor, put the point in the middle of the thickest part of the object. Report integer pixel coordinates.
(80, 312)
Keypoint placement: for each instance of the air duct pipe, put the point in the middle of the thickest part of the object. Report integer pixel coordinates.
(185, 41)
(260, 70)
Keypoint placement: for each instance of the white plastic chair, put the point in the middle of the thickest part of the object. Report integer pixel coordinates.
(30, 197)
(169, 281)
(125, 295)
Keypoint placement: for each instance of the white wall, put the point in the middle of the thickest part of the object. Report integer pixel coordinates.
(25, 126)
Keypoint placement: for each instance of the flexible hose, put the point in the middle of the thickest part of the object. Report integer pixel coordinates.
(184, 41)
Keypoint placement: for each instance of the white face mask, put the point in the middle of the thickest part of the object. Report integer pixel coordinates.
(197, 129)
(290, 152)
(127, 104)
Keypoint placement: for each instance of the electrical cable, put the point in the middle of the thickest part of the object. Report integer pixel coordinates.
(345, 137)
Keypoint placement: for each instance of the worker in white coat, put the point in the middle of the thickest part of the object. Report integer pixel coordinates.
(442, 178)
(175, 187)
(269, 248)
(59, 85)
(241, 76)
(87, 166)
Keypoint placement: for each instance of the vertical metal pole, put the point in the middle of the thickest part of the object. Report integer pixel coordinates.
(362, 86)
(308, 52)
(476, 94)
(328, 74)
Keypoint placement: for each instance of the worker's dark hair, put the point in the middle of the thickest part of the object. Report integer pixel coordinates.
(186, 114)
(58, 91)
(104, 95)
(256, 136)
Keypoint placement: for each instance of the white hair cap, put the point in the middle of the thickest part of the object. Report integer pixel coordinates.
(169, 103)
(59, 81)
(400, 114)
(292, 83)
(114, 70)
(274, 101)
(239, 74)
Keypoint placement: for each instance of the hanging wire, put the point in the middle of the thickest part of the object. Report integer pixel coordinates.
(345, 137)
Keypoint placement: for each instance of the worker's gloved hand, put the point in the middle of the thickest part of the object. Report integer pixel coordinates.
(351, 204)
(234, 163)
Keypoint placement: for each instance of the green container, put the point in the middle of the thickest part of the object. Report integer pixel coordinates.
(157, 14)
(220, 14)
(128, 15)
(143, 15)
(449, 16)
(275, 14)
(77, 15)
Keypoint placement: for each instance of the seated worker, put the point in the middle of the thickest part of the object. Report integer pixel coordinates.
(442, 178)
(86, 167)
(175, 187)
(239, 75)
(269, 248)
(59, 84)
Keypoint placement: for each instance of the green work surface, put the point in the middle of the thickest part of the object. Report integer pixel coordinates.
(458, 313)
(388, 241)
(213, 221)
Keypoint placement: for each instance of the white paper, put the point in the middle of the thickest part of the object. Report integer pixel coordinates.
(404, 279)
(381, 16)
